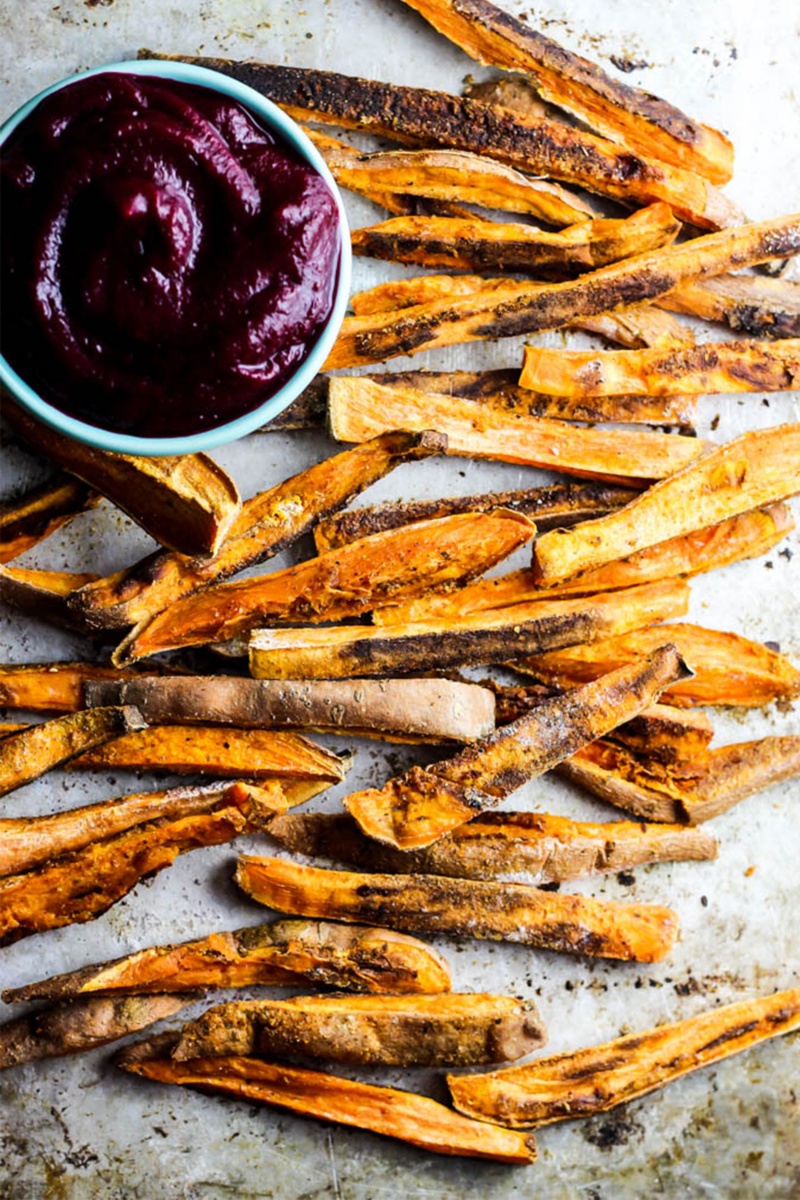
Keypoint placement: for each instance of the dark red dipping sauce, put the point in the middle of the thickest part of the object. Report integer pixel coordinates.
(166, 262)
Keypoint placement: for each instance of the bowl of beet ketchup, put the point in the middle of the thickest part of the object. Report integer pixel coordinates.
(174, 258)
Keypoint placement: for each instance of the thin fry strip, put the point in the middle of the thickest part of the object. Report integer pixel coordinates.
(41, 511)
(359, 408)
(404, 1115)
(57, 687)
(625, 114)
(285, 953)
(186, 502)
(545, 848)
(753, 470)
(708, 368)
(420, 806)
(583, 1082)
(511, 912)
(267, 524)
(338, 585)
(31, 752)
(751, 304)
(353, 651)
(44, 594)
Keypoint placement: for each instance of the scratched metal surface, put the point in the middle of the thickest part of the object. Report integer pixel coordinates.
(75, 1129)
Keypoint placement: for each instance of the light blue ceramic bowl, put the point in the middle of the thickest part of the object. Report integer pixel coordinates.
(273, 119)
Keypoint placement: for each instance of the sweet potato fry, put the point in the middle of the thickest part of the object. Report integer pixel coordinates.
(43, 594)
(628, 115)
(545, 848)
(558, 504)
(38, 748)
(746, 536)
(426, 710)
(415, 809)
(360, 408)
(338, 585)
(352, 651)
(57, 686)
(753, 470)
(285, 953)
(728, 669)
(535, 145)
(40, 512)
(638, 326)
(428, 1031)
(267, 524)
(306, 412)
(469, 243)
(403, 1115)
(708, 368)
(216, 750)
(751, 304)
(584, 1082)
(511, 912)
(80, 1025)
(185, 502)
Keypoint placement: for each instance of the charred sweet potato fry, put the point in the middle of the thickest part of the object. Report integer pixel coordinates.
(40, 512)
(429, 1031)
(728, 669)
(623, 113)
(511, 912)
(285, 953)
(352, 651)
(38, 748)
(426, 710)
(267, 524)
(403, 1115)
(43, 594)
(546, 848)
(79, 1025)
(474, 244)
(334, 586)
(583, 1082)
(751, 304)
(415, 809)
(753, 470)
(554, 505)
(56, 686)
(360, 408)
(185, 502)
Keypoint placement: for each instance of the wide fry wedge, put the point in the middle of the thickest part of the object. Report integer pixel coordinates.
(583, 1082)
(404, 1115)
(32, 751)
(755, 469)
(56, 686)
(352, 651)
(545, 848)
(44, 594)
(285, 953)
(429, 1031)
(751, 304)
(40, 512)
(359, 408)
(338, 585)
(510, 912)
(415, 809)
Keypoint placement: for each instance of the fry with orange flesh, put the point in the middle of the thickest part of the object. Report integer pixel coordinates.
(359, 408)
(56, 686)
(282, 954)
(40, 512)
(708, 368)
(755, 469)
(625, 114)
(545, 848)
(403, 1115)
(420, 806)
(473, 244)
(43, 594)
(751, 304)
(728, 669)
(581, 1083)
(351, 651)
(746, 536)
(267, 524)
(511, 912)
(338, 585)
(32, 751)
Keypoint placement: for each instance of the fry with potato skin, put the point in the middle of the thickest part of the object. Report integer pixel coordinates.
(510, 912)
(58, 686)
(751, 304)
(41, 511)
(581, 1083)
(44, 594)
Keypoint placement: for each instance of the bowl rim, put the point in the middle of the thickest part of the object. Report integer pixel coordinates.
(275, 120)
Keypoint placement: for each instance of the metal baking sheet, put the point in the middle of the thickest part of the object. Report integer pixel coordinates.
(75, 1129)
